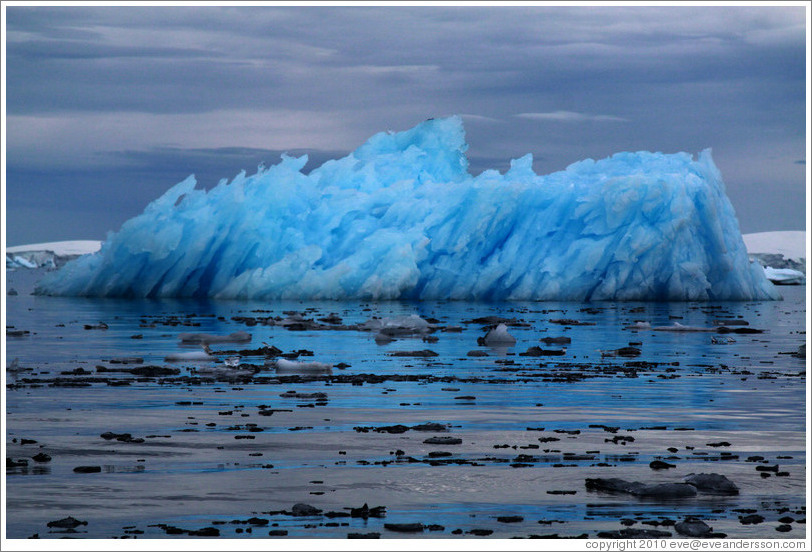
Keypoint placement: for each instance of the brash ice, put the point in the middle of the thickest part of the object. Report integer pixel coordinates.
(402, 218)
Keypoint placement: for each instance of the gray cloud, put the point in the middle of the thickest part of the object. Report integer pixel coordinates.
(572, 117)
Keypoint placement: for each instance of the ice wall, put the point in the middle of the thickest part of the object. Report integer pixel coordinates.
(401, 217)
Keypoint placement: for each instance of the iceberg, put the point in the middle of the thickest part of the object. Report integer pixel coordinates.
(401, 217)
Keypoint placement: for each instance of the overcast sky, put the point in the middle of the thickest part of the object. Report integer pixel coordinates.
(107, 107)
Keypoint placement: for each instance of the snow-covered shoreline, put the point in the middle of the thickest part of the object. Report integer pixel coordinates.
(49, 254)
(61, 248)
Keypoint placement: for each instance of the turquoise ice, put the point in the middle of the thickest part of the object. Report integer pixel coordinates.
(402, 218)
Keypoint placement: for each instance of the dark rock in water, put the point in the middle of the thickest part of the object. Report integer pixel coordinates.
(257, 522)
(127, 360)
(99, 326)
(404, 527)
(69, 522)
(726, 330)
(11, 463)
(660, 490)
(205, 532)
(122, 437)
(693, 527)
(360, 535)
(430, 426)
(623, 352)
(439, 454)
(443, 441)
(667, 490)
(304, 510)
(277, 532)
(491, 321)
(41, 457)
(751, 519)
(366, 512)
(556, 340)
(480, 532)
(425, 353)
(629, 533)
(87, 469)
(154, 371)
(538, 351)
(712, 483)
(660, 465)
(784, 528)
(393, 429)
(476, 353)
(509, 519)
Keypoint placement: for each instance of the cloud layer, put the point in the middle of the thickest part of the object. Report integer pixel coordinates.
(124, 99)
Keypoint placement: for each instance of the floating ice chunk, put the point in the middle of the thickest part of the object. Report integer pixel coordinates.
(232, 362)
(785, 276)
(402, 218)
(205, 354)
(497, 336)
(397, 326)
(284, 366)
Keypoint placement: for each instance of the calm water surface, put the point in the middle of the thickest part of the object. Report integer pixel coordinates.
(197, 466)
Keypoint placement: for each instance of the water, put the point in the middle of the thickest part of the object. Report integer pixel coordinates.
(202, 463)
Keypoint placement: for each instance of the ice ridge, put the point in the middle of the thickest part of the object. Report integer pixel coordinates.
(402, 218)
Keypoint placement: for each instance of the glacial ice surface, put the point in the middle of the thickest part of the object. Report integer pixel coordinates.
(402, 218)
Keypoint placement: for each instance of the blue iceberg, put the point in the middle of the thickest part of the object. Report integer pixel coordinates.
(402, 218)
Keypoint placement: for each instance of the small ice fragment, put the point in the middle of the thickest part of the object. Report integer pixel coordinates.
(497, 336)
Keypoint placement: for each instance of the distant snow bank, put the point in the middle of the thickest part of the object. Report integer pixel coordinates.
(50, 254)
(61, 248)
(782, 254)
(790, 244)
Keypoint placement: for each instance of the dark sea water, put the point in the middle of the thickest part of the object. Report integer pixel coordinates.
(727, 403)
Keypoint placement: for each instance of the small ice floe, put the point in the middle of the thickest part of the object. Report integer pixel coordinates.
(205, 354)
(232, 362)
(722, 340)
(785, 276)
(201, 338)
(284, 366)
(639, 325)
(224, 372)
(497, 336)
(677, 327)
(398, 326)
